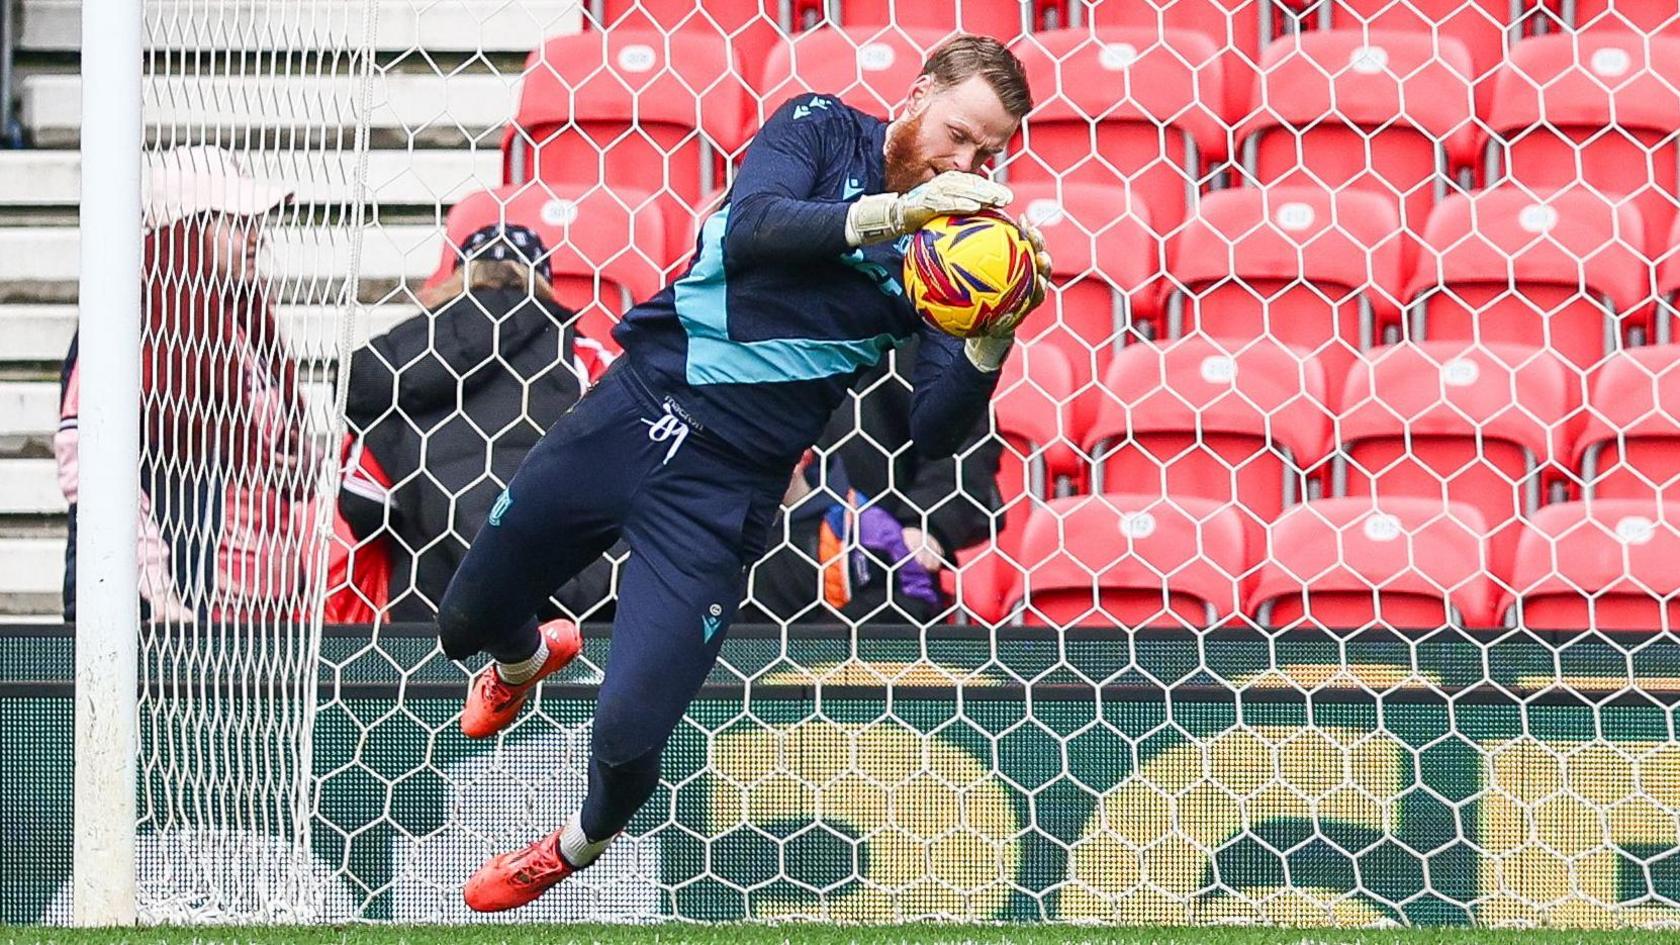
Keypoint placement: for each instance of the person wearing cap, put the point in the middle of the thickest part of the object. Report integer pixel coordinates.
(446, 404)
(226, 463)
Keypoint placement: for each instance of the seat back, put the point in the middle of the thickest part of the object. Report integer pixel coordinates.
(1299, 265)
(1105, 263)
(1552, 271)
(868, 68)
(1630, 446)
(1237, 425)
(1104, 99)
(639, 109)
(1348, 563)
(1380, 111)
(1597, 111)
(1129, 561)
(1608, 564)
(1484, 426)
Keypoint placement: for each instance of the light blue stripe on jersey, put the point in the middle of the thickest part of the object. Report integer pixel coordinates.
(715, 358)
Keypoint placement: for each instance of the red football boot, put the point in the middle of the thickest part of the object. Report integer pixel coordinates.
(510, 880)
(493, 703)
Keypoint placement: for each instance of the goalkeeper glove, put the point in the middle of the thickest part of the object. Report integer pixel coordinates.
(878, 218)
(988, 351)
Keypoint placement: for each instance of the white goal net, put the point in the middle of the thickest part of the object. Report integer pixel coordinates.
(1315, 565)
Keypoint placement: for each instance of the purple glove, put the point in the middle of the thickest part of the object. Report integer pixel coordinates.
(879, 532)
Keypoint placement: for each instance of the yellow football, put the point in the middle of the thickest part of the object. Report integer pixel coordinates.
(965, 272)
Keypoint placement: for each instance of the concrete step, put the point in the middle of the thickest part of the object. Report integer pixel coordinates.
(40, 334)
(417, 178)
(30, 487)
(261, 25)
(404, 105)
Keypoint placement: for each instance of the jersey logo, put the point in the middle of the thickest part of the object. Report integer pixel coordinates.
(852, 189)
(804, 111)
(503, 502)
(668, 427)
(712, 622)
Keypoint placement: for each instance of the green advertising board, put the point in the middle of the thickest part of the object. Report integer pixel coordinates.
(1145, 778)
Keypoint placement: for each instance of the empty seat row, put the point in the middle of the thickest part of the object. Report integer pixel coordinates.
(1331, 272)
(1501, 428)
(1388, 112)
(1140, 560)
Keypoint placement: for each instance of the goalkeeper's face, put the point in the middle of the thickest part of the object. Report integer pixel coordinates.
(956, 127)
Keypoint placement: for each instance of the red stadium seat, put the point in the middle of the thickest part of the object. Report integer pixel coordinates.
(1105, 261)
(1349, 563)
(1479, 25)
(1243, 426)
(1239, 28)
(1598, 111)
(606, 249)
(1651, 17)
(1442, 420)
(1298, 265)
(1667, 309)
(1551, 271)
(611, 108)
(999, 19)
(869, 69)
(752, 27)
(1038, 461)
(1630, 448)
(1380, 111)
(1129, 561)
(1139, 109)
(1604, 565)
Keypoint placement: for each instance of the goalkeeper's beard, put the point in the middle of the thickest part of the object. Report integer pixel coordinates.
(905, 168)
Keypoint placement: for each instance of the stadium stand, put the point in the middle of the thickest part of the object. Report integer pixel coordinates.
(1129, 561)
(1135, 124)
(1607, 564)
(1405, 563)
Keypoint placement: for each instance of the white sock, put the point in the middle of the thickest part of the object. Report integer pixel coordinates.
(523, 670)
(576, 848)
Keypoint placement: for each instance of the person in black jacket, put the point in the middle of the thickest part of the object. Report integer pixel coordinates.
(945, 503)
(449, 402)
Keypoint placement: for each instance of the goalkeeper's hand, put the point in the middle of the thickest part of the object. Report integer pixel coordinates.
(987, 351)
(878, 218)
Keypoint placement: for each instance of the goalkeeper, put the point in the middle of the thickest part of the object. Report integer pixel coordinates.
(685, 446)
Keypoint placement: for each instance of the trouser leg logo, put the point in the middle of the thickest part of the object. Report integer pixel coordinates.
(668, 427)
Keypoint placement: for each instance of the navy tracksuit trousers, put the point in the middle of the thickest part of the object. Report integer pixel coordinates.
(696, 515)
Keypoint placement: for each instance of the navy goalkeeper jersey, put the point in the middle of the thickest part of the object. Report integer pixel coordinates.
(776, 316)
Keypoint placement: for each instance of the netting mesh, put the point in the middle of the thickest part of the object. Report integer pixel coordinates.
(1325, 574)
